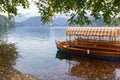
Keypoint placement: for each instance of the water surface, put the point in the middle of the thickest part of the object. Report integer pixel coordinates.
(39, 57)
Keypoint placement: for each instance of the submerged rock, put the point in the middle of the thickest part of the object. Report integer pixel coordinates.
(14, 74)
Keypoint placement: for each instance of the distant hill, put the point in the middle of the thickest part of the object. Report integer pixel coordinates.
(33, 21)
(60, 21)
(5, 22)
(36, 22)
(5, 25)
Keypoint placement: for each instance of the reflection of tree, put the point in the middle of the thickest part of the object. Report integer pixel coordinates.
(8, 56)
(90, 68)
(3, 32)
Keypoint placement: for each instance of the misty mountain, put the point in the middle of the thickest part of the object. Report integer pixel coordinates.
(60, 21)
(36, 22)
(5, 22)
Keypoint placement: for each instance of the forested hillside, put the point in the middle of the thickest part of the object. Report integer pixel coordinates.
(36, 22)
(5, 22)
(5, 25)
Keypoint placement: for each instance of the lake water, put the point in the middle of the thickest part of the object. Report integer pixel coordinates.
(39, 57)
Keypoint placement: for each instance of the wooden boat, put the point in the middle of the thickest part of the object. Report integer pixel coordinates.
(96, 42)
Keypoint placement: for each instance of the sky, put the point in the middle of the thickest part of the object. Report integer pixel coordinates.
(27, 13)
(32, 12)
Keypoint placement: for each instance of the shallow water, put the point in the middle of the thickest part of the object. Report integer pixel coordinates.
(39, 57)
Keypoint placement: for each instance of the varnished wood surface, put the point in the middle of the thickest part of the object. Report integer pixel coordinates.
(90, 50)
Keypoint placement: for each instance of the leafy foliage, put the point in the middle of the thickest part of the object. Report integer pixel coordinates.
(10, 6)
(78, 10)
(117, 21)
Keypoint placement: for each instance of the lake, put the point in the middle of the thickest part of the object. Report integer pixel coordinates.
(39, 57)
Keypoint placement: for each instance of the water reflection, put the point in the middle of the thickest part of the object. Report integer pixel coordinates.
(31, 33)
(37, 49)
(8, 54)
(3, 32)
(8, 58)
(90, 69)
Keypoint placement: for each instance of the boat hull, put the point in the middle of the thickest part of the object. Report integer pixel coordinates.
(99, 54)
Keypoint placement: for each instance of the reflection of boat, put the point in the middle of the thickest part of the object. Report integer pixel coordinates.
(63, 56)
(97, 42)
(90, 69)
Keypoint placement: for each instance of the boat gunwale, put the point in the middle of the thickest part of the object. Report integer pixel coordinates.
(68, 49)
